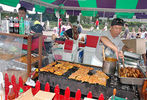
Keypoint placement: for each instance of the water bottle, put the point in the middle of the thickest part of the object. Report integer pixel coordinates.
(27, 26)
(11, 25)
(21, 26)
(11, 94)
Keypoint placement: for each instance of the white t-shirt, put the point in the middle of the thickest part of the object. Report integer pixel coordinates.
(108, 52)
(143, 35)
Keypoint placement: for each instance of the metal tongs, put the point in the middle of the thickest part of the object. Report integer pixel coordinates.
(123, 62)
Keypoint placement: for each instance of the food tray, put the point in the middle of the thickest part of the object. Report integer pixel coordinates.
(131, 80)
(132, 55)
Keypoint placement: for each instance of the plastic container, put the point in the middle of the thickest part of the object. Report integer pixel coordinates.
(20, 91)
(11, 94)
(2, 92)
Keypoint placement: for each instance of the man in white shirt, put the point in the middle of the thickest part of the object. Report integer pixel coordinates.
(111, 41)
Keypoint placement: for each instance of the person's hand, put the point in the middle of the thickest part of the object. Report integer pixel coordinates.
(116, 53)
(131, 50)
(121, 55)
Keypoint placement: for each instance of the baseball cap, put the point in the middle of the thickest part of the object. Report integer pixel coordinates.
(117, 21)
(74, 24)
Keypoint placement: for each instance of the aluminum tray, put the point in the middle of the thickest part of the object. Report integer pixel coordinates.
(130, 80)
(132, 55)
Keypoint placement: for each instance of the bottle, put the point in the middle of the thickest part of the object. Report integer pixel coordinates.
(21, 26)
(16, 26)
(101, 97)
(27, 26)
(11, 94)
(2, 92)
(20, 91)
(144, 90)
(11, 25)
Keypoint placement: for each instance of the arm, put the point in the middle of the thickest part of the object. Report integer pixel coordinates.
(125, 48)
(109, 44)
(66, 36)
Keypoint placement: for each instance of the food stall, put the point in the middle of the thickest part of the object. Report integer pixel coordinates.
(90, 78)
(127, 81)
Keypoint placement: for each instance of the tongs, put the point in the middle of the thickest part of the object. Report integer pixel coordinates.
(123, 62)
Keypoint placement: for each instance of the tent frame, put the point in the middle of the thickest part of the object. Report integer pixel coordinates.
(39, 2)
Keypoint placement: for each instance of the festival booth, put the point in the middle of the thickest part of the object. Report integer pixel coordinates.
(71, 75)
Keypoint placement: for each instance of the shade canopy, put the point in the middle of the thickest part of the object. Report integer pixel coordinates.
(104, 8)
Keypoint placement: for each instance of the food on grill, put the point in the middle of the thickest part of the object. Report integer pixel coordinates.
(81, 74)
(47, 68)
(130, 72)
(58, 68)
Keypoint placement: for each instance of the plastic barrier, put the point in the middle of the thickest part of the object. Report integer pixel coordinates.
(57, 96)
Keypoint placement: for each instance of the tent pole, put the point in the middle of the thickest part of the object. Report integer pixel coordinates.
(58, 26)
(41, 17)
(0, 17)
(79, 17)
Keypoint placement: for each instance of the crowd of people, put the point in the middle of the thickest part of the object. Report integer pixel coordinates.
(135, 33)
(68, 30)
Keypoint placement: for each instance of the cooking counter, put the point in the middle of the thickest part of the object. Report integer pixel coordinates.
(129, 91)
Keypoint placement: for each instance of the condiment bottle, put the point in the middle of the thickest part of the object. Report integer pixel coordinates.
(11, 94)
(101, 97)
(20, 91)
(144, 90)
(114, 93)
(2, 92)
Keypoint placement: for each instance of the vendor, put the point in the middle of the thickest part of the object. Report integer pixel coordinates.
(111, 42)
(72, 33)
(22, 12)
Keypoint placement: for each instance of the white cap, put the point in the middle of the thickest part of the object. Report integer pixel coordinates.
(74, 24)
(10, 86)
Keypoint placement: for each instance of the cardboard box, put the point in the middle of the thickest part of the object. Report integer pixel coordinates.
(26, 96)
(139, 45)
(42, 95)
